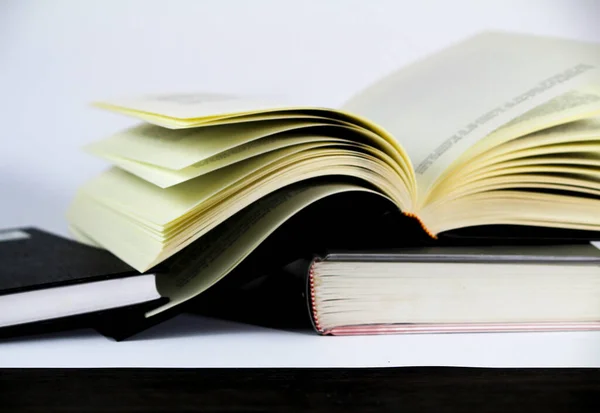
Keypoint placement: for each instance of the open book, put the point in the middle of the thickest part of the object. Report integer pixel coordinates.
(499, 129)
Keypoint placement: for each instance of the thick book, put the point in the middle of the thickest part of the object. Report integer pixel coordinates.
(47, 277)
(498, 131)
(461, 289)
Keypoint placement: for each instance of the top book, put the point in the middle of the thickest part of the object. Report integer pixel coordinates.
(499, 129)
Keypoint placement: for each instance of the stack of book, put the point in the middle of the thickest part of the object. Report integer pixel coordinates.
(464, 191)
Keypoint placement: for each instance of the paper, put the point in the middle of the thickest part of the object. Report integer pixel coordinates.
(535, 208)
(580, 137)
(189, 106)
(174, 114)
(439, 107)
(178, 149)
(137, 237)
(284, 145)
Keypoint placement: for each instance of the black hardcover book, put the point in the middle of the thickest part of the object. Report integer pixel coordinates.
(48, 282)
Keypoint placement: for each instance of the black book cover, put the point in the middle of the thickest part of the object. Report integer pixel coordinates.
(33, 259)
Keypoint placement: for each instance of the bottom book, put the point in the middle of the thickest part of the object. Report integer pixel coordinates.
(443, 290)
(49, 283)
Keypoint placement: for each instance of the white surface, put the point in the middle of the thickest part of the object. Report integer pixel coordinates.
(57, 56)
(191, 341)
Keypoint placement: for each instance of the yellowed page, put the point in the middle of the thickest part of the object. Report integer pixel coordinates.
(571, 143)
(117, 232)
(572, 178)
(178, 149)
(177, 123)
(197, 105)
(586, 154)
(83, 238)
(165, 178)
(203, 264)
(163, 205)
(439, 107)
(157, 206)
(565, 138)
(188, 110)
(574, 105)
(127, 224)
(174, 112)
(515, 208)
(564, 109)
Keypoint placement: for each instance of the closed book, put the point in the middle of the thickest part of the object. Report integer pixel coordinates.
(45, 278)
(456, 289)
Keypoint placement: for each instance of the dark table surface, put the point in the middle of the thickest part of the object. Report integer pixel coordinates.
(318, 390)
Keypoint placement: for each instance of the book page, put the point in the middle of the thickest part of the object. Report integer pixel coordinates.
(573, 142)
(143, 224)
(178, 149)
(189, 110)
(189, 106)
(568, 110)
(164, 177)
(564, 158)
(544, 205)
(439, 107)
(204, 263)
(144, 200)
(197, 110)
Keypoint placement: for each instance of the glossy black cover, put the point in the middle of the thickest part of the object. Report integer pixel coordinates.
(43, 260)
(32, 259)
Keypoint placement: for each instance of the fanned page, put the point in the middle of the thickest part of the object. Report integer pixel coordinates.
(501, 129)
(440, 107)
(171, 187)
(454, 109)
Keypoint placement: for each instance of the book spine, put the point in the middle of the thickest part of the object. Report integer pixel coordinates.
(310, 294)
(421, 223)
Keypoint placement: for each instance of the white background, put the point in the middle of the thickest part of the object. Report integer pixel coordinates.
(57, 56)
